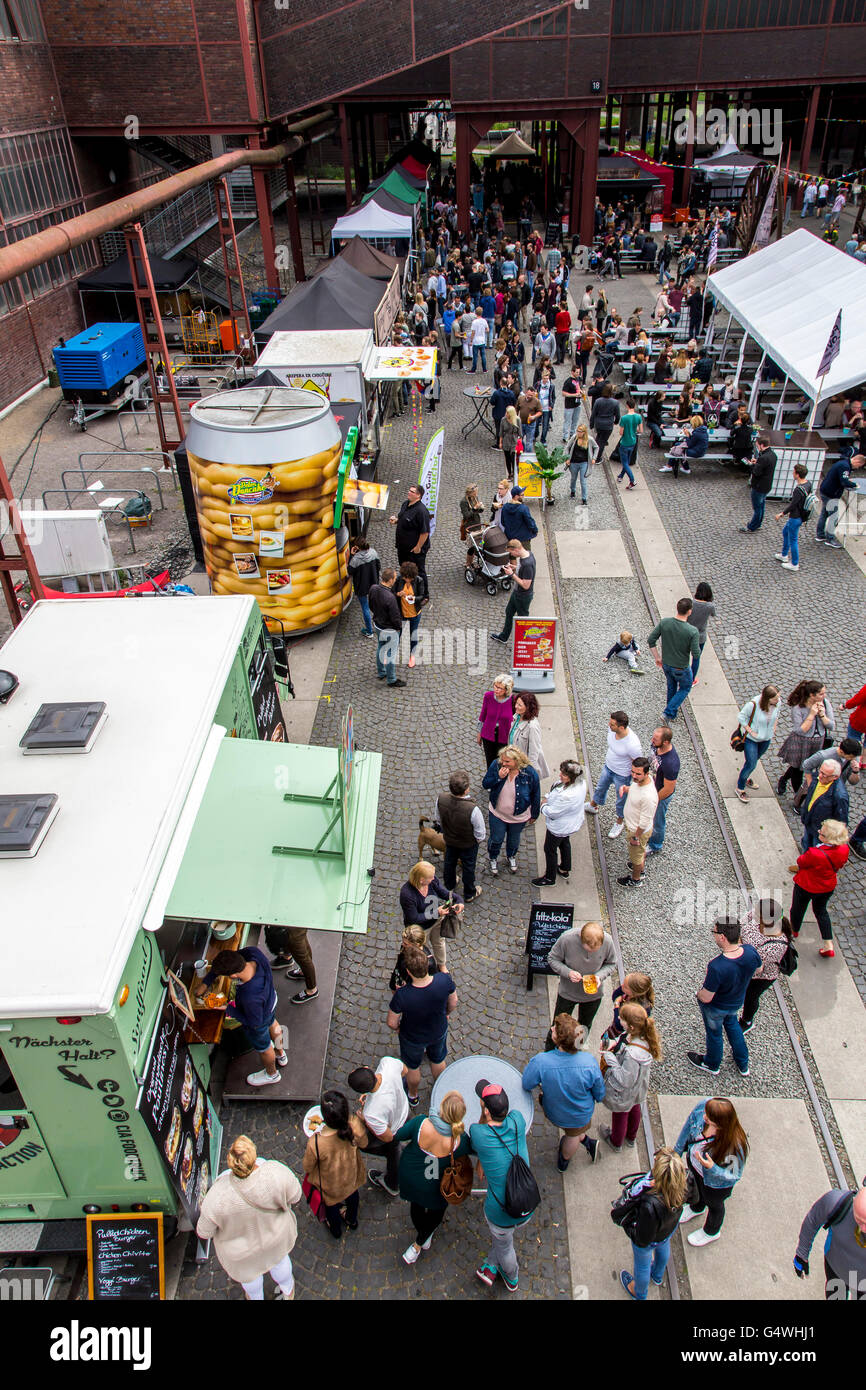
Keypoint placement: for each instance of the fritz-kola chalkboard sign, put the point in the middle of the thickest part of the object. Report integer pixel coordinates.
(547, 922)
(125, 1256)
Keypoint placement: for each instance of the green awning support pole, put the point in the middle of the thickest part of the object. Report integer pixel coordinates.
(348, 455)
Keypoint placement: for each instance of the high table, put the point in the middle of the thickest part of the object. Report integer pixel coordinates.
(480, 399)
(463, 1074)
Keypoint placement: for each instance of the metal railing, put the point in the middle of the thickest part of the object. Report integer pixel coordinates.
(88, 474)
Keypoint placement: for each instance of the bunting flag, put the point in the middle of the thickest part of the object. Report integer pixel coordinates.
(834, 345)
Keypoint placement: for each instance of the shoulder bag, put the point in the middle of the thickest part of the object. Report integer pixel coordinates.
(738, 737)
(456, 1182)
(315, 1200)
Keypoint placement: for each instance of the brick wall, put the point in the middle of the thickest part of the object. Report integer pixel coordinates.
(53, 316)
(28, 92)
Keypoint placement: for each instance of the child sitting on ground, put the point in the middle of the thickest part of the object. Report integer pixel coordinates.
(627, 650)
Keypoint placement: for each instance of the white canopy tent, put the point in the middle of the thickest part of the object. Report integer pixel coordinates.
(787, 298)
(372, 223)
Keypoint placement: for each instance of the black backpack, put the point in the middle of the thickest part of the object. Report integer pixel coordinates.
(521, 1190)
(788, 963)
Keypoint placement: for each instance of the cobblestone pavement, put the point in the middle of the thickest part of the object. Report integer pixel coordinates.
(424, 732)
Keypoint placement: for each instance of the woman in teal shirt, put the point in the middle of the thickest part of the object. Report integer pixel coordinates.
(429, 1141)
(632, 426)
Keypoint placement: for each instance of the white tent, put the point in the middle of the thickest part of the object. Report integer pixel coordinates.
(372, 223)
(787, 298)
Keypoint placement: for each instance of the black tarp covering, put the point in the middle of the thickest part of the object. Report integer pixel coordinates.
(167, 275)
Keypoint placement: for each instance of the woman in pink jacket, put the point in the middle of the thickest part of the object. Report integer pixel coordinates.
(495, 719)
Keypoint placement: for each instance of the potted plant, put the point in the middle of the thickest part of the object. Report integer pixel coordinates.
(548, 465)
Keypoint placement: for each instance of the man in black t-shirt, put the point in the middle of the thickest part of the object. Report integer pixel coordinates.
(413, 529)
(665, 767)
(419, 1014)
(521, 568)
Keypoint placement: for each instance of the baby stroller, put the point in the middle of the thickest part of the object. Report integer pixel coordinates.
(489, 550)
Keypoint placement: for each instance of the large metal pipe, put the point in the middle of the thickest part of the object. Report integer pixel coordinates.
(57, 241)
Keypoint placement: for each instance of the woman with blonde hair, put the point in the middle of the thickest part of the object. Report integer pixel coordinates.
(413, 935)
(503, 490)
(509, 434)
(627, 1064)
(682, 370)
(248, 1215)
(651, 1223)
(715, 1148)
(425, 901)
(515, 802)
(431, 1142)
(584, 453)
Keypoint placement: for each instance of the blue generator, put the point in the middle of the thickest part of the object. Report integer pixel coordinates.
(93, 365)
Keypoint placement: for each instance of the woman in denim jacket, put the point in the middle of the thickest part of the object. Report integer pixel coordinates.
(715, 1147)
(515, 793)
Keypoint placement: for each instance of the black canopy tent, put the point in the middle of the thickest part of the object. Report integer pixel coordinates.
(369, 260)
(339, 296)
(116, 278)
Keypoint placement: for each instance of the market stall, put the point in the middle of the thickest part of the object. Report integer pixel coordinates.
(788, 298)
(161, 810)
(390, 231)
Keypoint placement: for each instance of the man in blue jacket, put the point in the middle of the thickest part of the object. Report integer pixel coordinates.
(826, 799)
(254, 1005)
(517, 520)
(835, 483)
(571, 1083)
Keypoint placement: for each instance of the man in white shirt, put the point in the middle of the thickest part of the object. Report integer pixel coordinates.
(478, 339)
(384, 1108)
(641, 804)
(832, 217)
(823, 190)
(623, 746)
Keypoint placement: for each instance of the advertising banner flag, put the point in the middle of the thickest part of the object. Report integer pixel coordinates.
(429, 475)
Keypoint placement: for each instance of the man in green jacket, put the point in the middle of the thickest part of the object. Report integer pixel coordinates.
(680, 642)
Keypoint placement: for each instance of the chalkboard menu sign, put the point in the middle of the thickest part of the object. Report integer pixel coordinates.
(176, 1110)
(125, 1257)
(266, 703)
(547, 922)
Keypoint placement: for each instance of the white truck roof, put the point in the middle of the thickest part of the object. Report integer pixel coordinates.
(336, 347)
(70, 914)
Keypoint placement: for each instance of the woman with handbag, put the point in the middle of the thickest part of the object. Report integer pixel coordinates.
(815, 877)
(426, 902)
(754, 734)
(715, 1147)
(248, 1215)
(652, 1212)
(435, 1145)
(333, 1167)
(812, 725)
(770, 933)
(626, 1065)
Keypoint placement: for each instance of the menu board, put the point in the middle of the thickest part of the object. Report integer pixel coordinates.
(534, 644)
(266, 703)
(547, 922)
(176, 1110)
(125, 1257)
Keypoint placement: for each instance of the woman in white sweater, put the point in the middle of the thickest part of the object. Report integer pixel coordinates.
(563, 813)
(248, 1215)
(526, 731)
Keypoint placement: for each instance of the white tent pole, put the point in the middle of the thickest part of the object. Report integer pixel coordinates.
(740, 359)
(777, 424)
(815, 402)
(725, 339)
(756, 384)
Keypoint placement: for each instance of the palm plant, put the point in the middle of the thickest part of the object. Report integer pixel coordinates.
(549, 464)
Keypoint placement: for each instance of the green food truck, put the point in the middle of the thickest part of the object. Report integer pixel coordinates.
(150, 808)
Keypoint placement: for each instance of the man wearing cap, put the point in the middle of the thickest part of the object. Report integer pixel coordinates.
(517, 520)
(499, 1135)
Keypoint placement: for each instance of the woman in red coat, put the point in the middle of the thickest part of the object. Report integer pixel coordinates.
(815, 874)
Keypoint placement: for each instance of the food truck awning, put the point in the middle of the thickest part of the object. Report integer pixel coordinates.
(230, 871)
(71, 913)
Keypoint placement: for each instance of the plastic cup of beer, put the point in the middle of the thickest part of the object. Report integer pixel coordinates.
(590, 984)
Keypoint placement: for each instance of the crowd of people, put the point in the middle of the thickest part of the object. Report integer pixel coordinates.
(487, 292)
